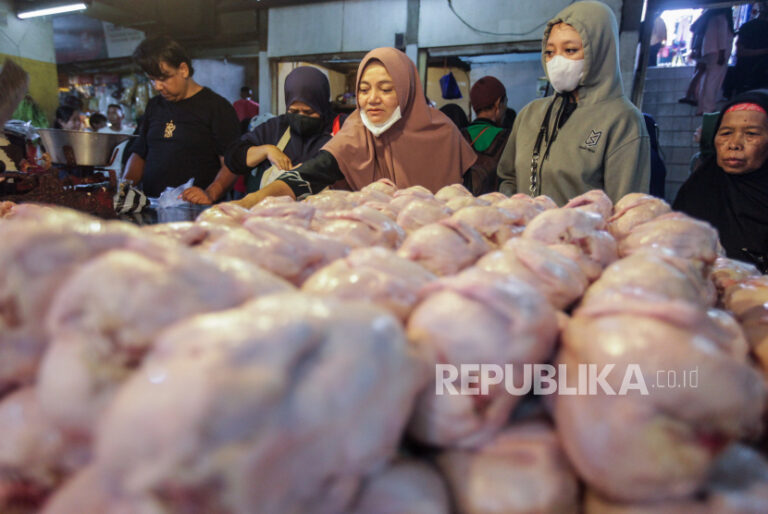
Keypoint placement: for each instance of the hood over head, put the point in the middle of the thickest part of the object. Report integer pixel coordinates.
(599, 31)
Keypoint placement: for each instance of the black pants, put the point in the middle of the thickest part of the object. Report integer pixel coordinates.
(653, 54)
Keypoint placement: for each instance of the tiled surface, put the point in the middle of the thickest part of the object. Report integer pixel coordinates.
(677, 122)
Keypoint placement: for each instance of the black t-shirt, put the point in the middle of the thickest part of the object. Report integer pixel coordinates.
(754, 34)
(184, 139)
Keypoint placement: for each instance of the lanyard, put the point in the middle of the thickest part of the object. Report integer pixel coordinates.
(544, 136)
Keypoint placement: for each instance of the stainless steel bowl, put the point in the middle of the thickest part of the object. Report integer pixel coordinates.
(74, 147)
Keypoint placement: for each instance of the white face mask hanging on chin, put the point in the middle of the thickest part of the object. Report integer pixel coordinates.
(379, 129)
(565, 74)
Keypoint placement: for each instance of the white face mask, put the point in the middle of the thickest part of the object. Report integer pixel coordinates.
(379, 129)
(565, 74)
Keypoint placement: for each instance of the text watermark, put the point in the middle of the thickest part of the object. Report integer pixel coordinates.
(547, 379)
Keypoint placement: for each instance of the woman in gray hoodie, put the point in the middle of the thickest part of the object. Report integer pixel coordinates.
(588, 135)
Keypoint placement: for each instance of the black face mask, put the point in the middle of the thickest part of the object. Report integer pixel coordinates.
(305, 125)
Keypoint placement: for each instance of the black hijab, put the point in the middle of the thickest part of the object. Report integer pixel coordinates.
(309, 85)
(457, 115)
(735, 204)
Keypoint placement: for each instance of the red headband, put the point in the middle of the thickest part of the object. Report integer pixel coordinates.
(746, 106)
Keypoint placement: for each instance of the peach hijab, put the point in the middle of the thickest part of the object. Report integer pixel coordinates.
(423, 148)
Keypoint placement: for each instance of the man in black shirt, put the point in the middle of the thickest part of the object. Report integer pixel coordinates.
(751, 70)
(185, 131)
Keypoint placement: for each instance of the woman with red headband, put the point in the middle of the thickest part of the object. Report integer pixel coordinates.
(730, 191)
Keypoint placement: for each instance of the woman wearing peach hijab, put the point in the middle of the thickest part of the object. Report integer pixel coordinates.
(392, 134)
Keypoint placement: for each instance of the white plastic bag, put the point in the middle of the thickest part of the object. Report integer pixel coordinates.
(171, 197)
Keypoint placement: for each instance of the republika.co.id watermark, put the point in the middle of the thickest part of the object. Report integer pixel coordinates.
(548, 379)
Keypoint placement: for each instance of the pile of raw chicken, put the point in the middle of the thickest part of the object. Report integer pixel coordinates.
(282, 359)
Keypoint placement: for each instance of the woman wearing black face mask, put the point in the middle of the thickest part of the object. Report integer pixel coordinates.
(289, 139)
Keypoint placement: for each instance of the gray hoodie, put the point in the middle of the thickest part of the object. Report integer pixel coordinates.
(603, 145)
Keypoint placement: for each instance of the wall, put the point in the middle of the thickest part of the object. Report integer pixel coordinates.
(337, 81)
(518, 72)
(30, 44)
(225, 78)
(343, 26)
(435, 93)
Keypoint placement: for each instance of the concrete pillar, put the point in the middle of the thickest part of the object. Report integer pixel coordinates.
(265, 82)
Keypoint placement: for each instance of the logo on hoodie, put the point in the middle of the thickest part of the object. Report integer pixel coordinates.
(593, 138)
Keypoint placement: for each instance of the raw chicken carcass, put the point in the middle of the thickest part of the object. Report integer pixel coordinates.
(494, 197)
(41, 249)
(476, 317)
(187, 233)
(445, 247)
(360, 227)
(659, 443)
(6, 208)
(374, 275)
(369, 195)
(403, 197)
(632, 210)
(521, 470)
(453, 191)
(100, 332)
(737, 484)
(286, 250)
(384, 208)
(227, 213)
(281, 406)
(86, 492)
(727, 272)
(578, 234)
(496, 225)
(461, 202)
(286, 210)
(34, 454)
(522, 207)
(593, 201)
(656, 271)
(418, 191)
(420, 212)
(383, 185)
(684, 236)
(405, 487)
(748, 301)
(331, 200)
(558, 278)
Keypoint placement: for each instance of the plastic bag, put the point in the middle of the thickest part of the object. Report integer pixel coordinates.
(449, 87)
(171, 197)
(128, 199)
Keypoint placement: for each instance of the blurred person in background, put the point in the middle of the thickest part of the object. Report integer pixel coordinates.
(67, 118)
(488, 97)
(292, 138)
(658, 39)
(185, 130)
(751, 70)
(246, 108)
(97, 122)
(456, 114)
(713, 31)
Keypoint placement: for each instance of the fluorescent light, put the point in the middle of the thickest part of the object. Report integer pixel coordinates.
(52, 10)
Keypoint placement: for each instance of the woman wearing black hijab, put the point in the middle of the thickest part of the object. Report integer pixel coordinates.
(289, 139)
(730, 190)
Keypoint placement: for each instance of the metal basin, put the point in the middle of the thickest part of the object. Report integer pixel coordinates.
(78, 148)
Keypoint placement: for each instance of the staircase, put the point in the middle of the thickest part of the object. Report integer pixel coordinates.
(677, 122)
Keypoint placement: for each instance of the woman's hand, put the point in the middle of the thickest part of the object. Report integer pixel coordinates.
(196, 195)
(276, 188)
(278, 158)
